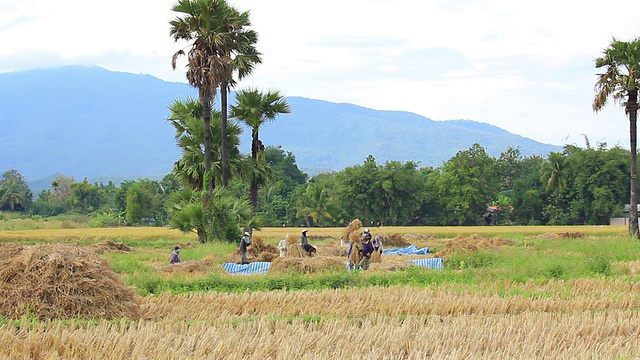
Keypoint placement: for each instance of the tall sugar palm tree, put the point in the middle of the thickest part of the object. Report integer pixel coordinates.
(186, 118)
(237, 55)
(201, 23)
(255, 108)
(621, 81)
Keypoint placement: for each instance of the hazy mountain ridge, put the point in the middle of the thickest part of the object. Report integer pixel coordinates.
(91, 122)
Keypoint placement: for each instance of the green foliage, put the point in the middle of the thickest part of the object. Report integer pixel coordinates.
(15, 194)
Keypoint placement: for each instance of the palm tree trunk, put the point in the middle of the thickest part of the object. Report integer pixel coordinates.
(253, 190)
(632, 110)
(206, 114)
(224, 155)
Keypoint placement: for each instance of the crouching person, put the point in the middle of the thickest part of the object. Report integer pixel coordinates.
(309, 249)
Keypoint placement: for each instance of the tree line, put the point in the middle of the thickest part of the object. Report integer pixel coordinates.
(579, 185)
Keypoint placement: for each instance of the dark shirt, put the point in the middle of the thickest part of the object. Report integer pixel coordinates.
(367, 249)
(246, 241)
(303, 240)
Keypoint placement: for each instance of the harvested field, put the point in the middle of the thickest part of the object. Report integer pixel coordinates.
(440, 322)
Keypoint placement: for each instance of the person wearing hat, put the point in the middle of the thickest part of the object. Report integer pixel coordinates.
(175, 255)
(244, 243)
(303, 238)
(367, 250)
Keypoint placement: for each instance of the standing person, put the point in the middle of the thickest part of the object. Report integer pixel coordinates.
(175, 255)
(303, 238)
(244, 243)
(282, 246)
(377, 249)
(367, 250)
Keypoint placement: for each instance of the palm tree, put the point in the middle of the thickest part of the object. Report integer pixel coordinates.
(12, 195)
(255, 108)
(621, 81)
(201, 23)
(315, 203)
(238, 55)
(186, 118)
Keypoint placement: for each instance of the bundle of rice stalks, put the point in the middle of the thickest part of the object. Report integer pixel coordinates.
(110, 245)
(260, 251)
(307, 265)
(62, 281)
(292, 239)
(471, 243)
(296, 251)
(352, 231)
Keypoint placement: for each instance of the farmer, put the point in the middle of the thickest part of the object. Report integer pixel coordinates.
(377, 249)
(282, 246)
(244, 243)
(309, 249)
(367, 250)
(303, 238)
(175, 255)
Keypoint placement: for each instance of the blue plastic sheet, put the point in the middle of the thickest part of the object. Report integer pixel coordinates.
(259, 267)
(409, 250)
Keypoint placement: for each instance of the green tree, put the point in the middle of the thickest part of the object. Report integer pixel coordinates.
(621, 81)
(467, 185)
(85, 197)
(255, 108)
(315, 204)
(15, 194)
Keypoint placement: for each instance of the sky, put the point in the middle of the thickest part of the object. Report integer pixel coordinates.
(527, 67)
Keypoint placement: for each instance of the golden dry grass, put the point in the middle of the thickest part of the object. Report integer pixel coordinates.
(94, 234)
(581, 319)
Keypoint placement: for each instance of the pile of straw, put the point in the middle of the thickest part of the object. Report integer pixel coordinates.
(307, 265)
(352, 231)
(61, 281)
(561, 235)
(260, 251)
(472, 243)
(110, 245)
(204, 265)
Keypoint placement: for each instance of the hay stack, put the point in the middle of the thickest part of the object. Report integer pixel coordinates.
(110, 245)
(203, 265)
(260, 251)
(61, 281)
(472, 243)
(306, 265)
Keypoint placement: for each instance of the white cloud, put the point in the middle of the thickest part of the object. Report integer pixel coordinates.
(523, 66)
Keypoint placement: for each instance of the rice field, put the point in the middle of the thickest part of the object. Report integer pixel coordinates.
(594, 317)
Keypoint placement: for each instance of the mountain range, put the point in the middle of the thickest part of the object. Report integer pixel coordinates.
(89, 122)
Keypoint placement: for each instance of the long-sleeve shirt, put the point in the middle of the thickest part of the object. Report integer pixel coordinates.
(304, 240)
(244, 243)
(367, 249)
(175, 258)
(377, 243)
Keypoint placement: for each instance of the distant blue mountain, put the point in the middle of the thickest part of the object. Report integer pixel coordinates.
(90, 122)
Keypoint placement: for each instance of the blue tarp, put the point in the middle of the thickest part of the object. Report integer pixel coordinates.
(259, 267)
(432, 263)
(409, 250)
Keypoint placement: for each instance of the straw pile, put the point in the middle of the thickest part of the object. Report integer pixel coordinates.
(110, 245)
(472, 243)
(352, 231)
(306, 265)
(561, 235)
(61, 281)
(260, 251)
(203, 265)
